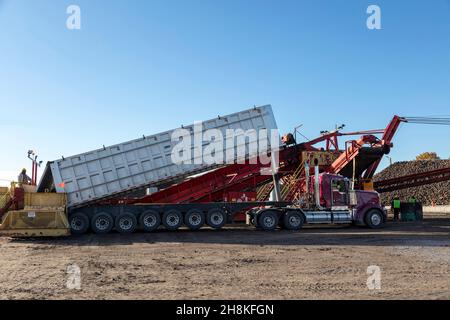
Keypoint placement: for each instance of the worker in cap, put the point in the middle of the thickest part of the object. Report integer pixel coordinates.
(23, 177)
(396, 207)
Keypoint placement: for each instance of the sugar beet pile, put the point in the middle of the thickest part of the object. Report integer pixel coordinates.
(439, 193)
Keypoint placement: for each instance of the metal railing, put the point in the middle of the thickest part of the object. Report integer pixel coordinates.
(5, 197)
(264, 191)
(292, 181)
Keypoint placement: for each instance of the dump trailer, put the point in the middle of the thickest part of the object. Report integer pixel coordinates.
(127, 169)
(134, 166)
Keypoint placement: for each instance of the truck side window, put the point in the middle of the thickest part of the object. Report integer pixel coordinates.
(334, 186)
(339, 190)
(338, 186)
(342, 186)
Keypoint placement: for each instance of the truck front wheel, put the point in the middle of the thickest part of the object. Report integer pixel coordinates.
(374, 219)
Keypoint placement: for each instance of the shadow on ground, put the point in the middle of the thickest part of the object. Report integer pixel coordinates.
(429, 233)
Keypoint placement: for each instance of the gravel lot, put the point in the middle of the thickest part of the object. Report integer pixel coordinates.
(235, 263)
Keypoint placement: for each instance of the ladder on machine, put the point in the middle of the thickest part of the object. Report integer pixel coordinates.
(264, 191)
(6, 200)
(292, 183)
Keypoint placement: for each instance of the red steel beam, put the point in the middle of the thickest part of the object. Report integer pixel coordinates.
(352, 152)
(212, 185)
(388, 135)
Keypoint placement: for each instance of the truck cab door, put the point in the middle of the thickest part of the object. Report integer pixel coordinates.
(339, 194)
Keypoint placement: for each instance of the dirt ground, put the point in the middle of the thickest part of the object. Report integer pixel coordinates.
(235, 263)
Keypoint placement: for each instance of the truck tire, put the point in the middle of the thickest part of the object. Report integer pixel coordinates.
(102, 223)
(126, 223)
(150, 220)
(293, 220)
(268, 220)
(194, 219)
(374, 219)
(172, 219)
(79, 223)
(216, 218)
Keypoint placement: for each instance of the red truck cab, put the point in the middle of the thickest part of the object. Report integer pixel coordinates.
(330, 200)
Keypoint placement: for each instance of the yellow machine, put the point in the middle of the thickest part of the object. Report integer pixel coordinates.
(26, 213)
(367, 185)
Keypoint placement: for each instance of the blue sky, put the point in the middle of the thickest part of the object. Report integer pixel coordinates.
(140, 67)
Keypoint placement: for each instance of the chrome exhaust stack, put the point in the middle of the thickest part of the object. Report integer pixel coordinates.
(317, 187)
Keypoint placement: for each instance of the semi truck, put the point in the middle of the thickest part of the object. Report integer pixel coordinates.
(136, 186)
(334, 202)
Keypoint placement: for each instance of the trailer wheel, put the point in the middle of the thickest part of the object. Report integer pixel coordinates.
(102, 223)
(150, 220)
(268, 220)
(194, 219)
(172, 219)
(374, 219)
(293, 220)
(216, 218)
(126, 223)
(79, 223)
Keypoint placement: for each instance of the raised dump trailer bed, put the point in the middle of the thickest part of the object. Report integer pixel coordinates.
(138, 164)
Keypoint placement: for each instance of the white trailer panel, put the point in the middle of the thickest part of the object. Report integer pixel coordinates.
(140, 163)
